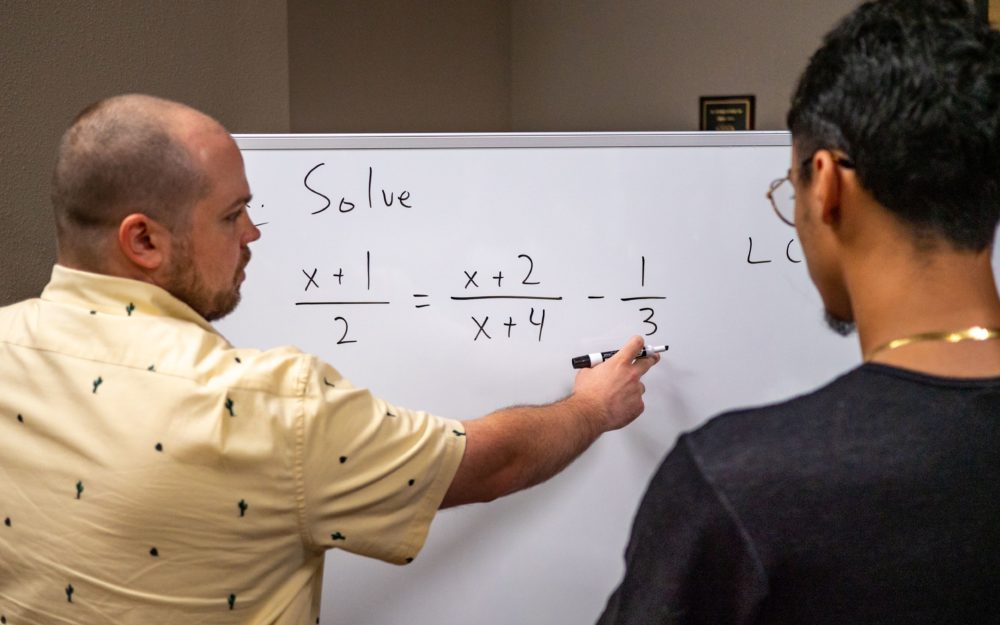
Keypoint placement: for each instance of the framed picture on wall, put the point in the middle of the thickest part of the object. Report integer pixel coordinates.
(728, 112)
(989, 10)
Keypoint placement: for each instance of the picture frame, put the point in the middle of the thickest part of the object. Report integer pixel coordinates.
(731, 112)
(989, 11)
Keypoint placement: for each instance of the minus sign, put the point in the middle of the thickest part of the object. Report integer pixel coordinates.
(422, 305)
(419, 295)
(595, 297)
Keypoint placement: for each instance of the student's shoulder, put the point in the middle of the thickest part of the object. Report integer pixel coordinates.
(777, 429)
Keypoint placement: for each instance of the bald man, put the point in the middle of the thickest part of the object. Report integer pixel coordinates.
(153, 473)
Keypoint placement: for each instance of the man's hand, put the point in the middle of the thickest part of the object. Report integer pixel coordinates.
(613, 389)
(519, 447)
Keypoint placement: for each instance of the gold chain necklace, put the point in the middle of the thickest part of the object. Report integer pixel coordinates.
(975, 333)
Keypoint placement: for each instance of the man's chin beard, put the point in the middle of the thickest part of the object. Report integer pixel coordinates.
(222, 303)
(843, 327)
(211, 306)
(227, 307)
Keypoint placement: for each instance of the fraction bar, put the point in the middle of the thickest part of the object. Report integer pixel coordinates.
(337, 303)
(632, 299)
(595, 297)
(506, 297)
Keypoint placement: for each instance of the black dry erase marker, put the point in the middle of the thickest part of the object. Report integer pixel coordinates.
(582, 362)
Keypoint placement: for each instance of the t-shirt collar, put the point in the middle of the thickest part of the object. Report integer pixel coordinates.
(113, 295)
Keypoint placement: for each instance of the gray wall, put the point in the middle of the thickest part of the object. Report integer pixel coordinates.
(641, 64)
(227, 57)
(544, 65)
(378, 66)
(399, 66)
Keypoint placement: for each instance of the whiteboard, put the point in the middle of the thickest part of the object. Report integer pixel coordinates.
(460, 273)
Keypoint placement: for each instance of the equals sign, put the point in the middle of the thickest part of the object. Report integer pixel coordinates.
(421, 305)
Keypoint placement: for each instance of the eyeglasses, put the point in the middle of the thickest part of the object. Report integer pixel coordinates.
(781, 193)
(782, 196)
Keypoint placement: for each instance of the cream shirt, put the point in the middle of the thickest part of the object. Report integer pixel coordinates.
(152, 473)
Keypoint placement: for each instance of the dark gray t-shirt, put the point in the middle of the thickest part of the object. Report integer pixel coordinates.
(875, 499)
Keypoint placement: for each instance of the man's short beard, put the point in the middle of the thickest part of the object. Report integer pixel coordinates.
(184, 283)
(842, 327)
(224, 303)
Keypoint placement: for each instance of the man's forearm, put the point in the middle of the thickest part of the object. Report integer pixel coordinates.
(519, 447)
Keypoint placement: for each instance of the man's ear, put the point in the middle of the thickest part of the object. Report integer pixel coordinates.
(144, 241)
(825, 187)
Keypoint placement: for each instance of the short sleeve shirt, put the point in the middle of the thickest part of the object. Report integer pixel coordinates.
(150, 472)
(872, 500)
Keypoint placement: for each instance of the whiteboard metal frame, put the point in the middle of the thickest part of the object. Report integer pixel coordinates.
(512, 140)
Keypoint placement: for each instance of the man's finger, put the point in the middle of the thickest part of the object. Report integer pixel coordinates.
(646, 363)
(630, 350)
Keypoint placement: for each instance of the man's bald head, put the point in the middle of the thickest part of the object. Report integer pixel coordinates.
(123, 155)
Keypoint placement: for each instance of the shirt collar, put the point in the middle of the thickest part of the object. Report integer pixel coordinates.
(116, 296)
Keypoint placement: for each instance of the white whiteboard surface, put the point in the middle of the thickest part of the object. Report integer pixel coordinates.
(678, 217)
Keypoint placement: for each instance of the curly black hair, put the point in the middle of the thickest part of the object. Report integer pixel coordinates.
(910, 91)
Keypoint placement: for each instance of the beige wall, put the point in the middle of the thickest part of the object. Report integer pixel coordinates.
(227, 57)
(399, 66)
(594, 65)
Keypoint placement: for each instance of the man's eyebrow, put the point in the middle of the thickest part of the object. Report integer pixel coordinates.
(242, 201)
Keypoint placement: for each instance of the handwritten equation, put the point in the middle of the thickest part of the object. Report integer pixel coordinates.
(472, 285)
(333, 192)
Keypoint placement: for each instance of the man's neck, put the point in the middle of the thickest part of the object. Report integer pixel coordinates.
(900, 293)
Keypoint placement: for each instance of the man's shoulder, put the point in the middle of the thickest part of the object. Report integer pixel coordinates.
(279, 370)
(868, 392)
(854, 414)
(764, 439)
(17, 316)
(12, 309)
(165, 345)
(746, 425)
